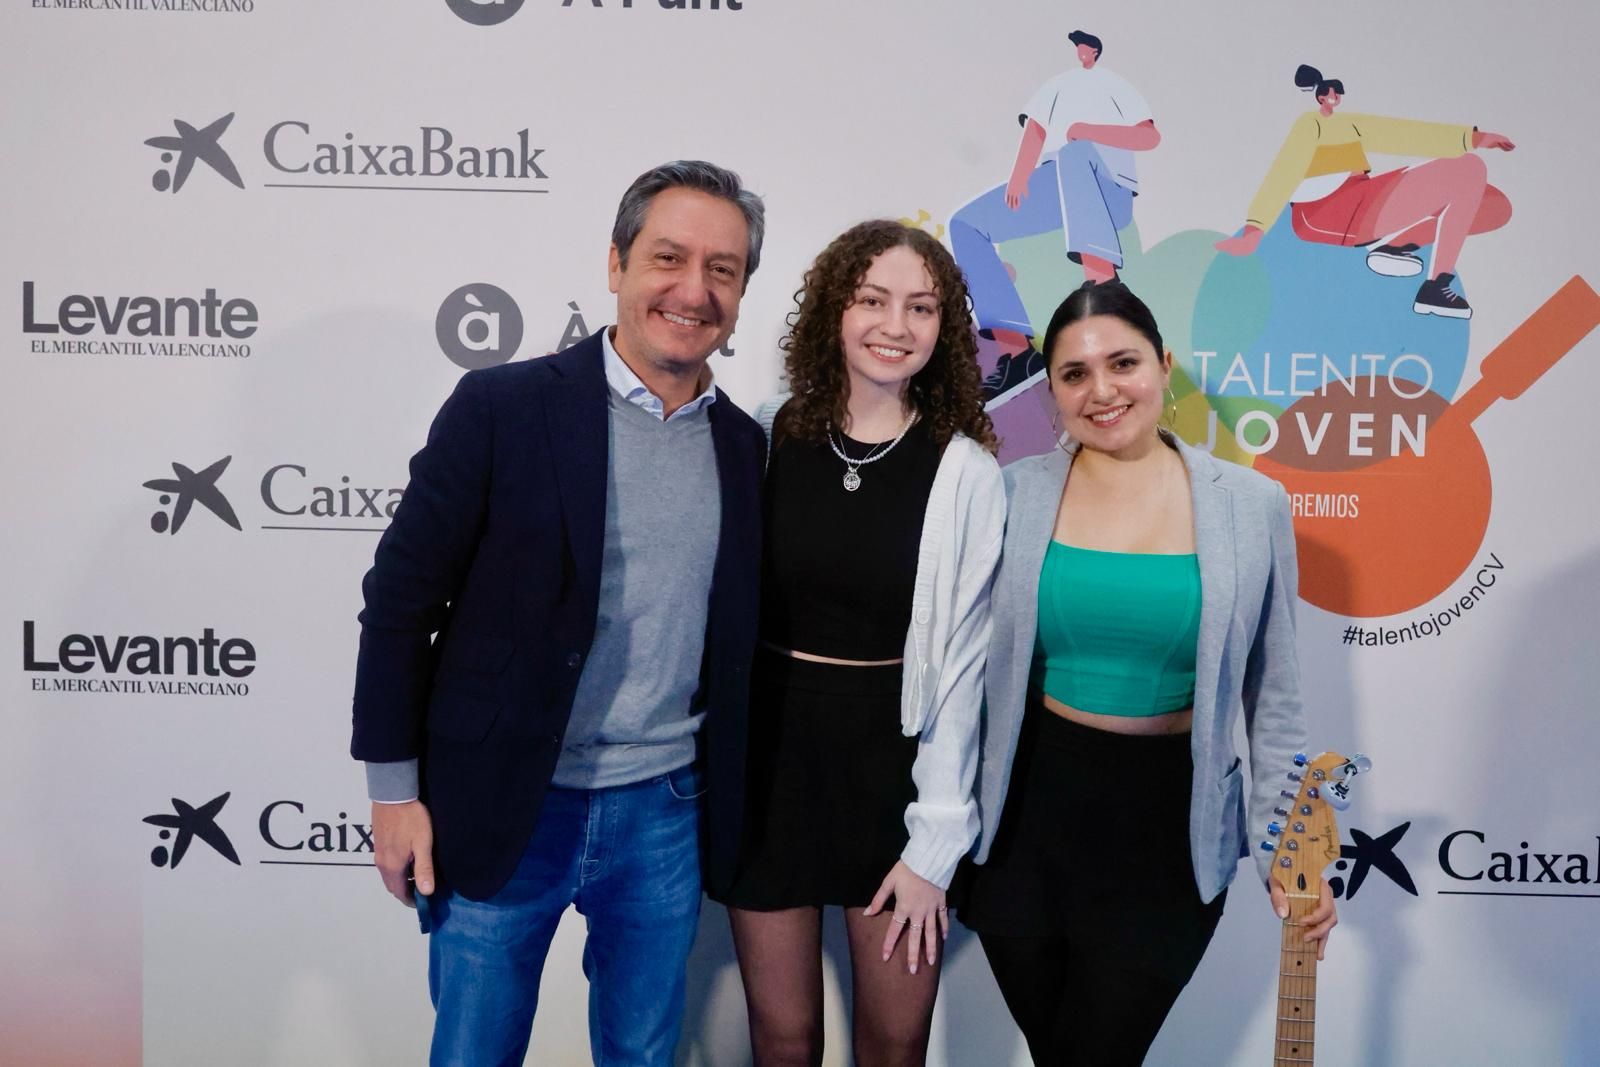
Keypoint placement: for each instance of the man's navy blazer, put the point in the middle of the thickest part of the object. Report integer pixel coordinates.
(496, 548)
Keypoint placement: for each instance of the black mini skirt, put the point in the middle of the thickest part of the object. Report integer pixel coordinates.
(1093, 846)
(829, 776)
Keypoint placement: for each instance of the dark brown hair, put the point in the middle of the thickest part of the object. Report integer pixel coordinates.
(947, 393)
(1102, 298)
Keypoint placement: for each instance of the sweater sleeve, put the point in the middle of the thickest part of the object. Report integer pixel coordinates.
(1412, 137)
(943, 820)
(1286, 172)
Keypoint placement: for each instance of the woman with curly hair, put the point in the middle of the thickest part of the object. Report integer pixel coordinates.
(883, 519)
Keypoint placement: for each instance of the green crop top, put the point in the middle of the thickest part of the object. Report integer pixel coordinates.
(1117, 630)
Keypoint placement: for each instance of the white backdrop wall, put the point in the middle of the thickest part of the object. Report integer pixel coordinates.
(289, 952)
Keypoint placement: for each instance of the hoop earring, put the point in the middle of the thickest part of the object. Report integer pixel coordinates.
(1171, 413)
(1055, 428)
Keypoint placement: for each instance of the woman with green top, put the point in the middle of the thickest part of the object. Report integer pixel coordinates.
(1142, 606)
(1323, 174)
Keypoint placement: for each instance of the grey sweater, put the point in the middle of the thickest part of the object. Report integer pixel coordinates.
(637, 707)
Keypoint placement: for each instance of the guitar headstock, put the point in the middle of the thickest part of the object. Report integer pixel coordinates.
(1303, 836)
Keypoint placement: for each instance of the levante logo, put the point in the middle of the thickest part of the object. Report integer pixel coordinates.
(1325, 343)
(155, 7)
(206, 325)
(207, 665)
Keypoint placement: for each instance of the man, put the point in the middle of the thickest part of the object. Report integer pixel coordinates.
(1074, 171)
(582, 533)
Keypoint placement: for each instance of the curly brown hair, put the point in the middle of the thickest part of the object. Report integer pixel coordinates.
(947, 392)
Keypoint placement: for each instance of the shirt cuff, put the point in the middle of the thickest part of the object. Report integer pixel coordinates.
(392, 783)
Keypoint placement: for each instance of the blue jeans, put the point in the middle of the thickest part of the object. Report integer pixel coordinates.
(1075, 192)
(629, 859)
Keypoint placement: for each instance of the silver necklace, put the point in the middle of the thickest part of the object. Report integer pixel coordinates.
(852, 467)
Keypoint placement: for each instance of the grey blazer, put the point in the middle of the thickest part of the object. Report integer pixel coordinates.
(1246, 662)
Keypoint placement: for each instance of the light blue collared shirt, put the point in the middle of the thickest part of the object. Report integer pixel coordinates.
(628, 385)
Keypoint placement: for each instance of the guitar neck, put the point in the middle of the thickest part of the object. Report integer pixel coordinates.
(1297, 987)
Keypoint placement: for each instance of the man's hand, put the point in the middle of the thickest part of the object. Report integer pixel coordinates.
(402, 836)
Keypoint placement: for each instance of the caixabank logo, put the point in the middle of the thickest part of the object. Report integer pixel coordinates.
(287, 496)
(282, 832)
(204, 664)
(1325, 343)
(1465, 862)
(1482, 865)
(307, 154)
(210, 326)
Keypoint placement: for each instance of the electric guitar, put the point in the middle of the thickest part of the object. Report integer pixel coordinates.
(1304, 839)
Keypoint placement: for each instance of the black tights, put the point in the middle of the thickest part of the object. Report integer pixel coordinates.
(1077, 1006)
(780, 962)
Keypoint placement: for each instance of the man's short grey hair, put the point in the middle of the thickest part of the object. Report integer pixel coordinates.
(694, 174)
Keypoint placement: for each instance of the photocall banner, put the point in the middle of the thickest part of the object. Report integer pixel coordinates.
(252, 244)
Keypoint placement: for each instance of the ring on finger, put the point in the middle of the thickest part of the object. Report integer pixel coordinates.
(916, 926)
(899, 921)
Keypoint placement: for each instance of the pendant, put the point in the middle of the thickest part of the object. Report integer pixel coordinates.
(852, 481)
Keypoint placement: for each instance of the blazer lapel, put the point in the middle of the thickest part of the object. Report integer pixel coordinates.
(739, 479)
(575, 417)
(1032, 519)
(1214, 547)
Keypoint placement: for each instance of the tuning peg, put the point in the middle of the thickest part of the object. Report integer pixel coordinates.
(1286, 794)
(1300, 759)
(1268, 846)
(1274, 829)
(1339, 788)
(1285, 861)
(1313, 793)
(1294, 776)
(1281, 811)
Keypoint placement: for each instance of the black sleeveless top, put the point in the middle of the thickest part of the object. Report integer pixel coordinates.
(838, 567)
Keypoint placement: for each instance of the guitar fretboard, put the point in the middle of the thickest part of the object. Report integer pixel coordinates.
(1297, 987)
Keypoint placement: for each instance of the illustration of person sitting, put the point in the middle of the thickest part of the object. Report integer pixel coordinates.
(1322, 173)
(1074, 171)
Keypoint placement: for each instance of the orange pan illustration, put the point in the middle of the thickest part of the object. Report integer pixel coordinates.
(1421, 519)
